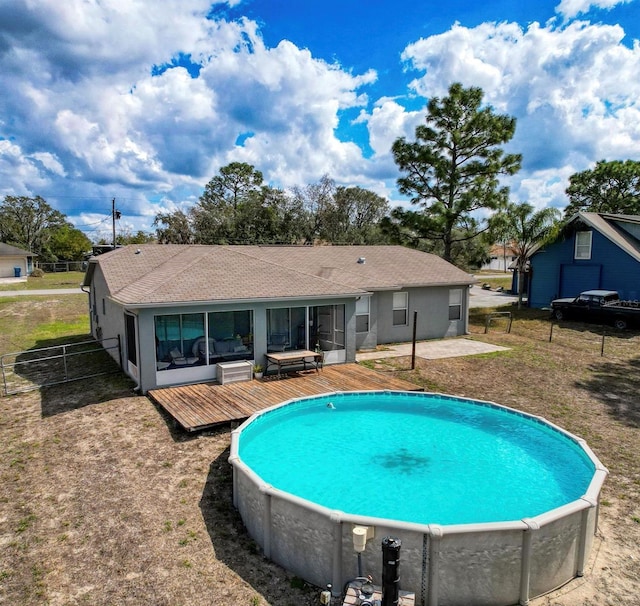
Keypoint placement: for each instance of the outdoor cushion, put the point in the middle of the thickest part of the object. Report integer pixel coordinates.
(179, 359)
(199, 349)
(229, 346)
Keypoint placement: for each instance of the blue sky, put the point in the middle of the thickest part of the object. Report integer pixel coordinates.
(145, 101)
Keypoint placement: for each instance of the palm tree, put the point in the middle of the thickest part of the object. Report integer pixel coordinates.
(528, 229)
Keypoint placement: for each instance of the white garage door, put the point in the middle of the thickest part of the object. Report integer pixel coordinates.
(7, 265)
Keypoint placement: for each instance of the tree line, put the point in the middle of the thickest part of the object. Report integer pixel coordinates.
(31, 224)
(236, 207)
(450, 172)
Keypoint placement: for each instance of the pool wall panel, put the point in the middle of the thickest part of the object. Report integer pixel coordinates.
(555, 546)
(480, 568)
(250, 505)
(301, 540)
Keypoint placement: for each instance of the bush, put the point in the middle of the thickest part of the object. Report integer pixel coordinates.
(37, 273)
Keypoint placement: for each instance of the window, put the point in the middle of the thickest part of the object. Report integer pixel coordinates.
(279, 329)
(400, 308)
(455, 304)
(195, 339)
(230, 337)
(130, 335)
(362, 314)
(583, 245)
(175, 337)
(286, 328)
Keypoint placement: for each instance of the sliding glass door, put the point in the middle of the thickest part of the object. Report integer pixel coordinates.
(328, 322)
(319, 328)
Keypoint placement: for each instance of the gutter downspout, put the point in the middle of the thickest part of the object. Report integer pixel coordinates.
(88, 293)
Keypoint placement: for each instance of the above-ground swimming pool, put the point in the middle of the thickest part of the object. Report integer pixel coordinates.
(492, 506)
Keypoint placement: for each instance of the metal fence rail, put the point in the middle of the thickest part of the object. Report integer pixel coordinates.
(65, 266)
(43, 367)
(496, 315)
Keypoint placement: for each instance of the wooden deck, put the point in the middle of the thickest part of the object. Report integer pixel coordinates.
(196, 407)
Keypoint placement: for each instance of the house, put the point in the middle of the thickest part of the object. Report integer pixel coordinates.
(179, 310)
(501, 257)
(593, 251)
(15, 262)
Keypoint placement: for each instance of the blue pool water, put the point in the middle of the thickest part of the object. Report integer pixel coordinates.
(416, 457)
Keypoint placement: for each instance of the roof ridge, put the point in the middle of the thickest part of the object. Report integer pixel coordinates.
(304, 273)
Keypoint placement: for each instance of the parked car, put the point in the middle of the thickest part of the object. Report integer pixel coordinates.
(599, 306)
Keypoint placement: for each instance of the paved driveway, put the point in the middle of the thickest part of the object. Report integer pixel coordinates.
(490, 298)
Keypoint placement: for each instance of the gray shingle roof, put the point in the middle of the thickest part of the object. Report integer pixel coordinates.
(7, 250)
(171, 273)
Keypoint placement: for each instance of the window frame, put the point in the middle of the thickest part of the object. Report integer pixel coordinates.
(400, 308)
(582, 250)
(361, 302)
(179, 332)
(455, 293)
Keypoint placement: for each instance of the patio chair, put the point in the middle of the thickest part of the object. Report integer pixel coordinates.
(278, 342)
(179, 359)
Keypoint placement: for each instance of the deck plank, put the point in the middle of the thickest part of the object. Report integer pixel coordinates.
(195, 407)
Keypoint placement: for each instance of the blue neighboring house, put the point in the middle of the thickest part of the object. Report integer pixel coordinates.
(593, 251)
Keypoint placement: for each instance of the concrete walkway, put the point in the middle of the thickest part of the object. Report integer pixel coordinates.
(432, 350)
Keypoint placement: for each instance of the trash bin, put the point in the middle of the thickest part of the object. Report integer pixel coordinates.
(16, 271)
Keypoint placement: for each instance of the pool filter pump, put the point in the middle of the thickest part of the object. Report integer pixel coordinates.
(390, 575)
(365, 595)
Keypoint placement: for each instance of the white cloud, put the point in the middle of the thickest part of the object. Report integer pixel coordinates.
(17, 169)
(104, 99)
(572, 8)
(50, 162)
(386, 122)
(573, 89)
(107, 103)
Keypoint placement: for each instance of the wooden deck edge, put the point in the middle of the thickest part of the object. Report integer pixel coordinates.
(202, 406)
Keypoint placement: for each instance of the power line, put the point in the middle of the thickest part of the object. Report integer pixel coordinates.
(105, 218)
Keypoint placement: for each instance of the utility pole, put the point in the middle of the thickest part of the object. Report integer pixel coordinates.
(115, 214)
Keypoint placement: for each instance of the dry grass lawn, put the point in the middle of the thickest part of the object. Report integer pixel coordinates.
(104, 503)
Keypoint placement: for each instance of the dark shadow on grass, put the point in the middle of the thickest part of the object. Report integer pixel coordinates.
(596, 329)
(617, 385)
(235, 548)
(179, 433)
(59, 399)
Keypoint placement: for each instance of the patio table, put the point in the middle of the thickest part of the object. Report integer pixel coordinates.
(296, 357)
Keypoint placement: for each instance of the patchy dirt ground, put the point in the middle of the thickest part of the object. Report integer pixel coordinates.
(104, 503)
